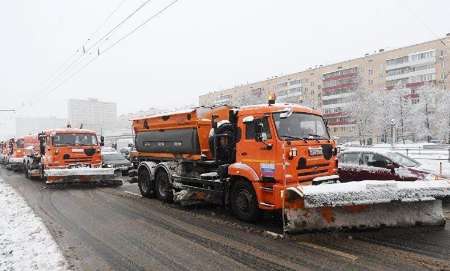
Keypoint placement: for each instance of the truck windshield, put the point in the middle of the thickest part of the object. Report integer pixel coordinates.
(74, 139)
(20, 143)
(300, 126)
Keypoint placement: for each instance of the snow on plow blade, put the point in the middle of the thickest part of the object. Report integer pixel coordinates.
(71, 175)
(366, 204)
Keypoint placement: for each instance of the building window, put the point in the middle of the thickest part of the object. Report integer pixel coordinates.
(395, 61)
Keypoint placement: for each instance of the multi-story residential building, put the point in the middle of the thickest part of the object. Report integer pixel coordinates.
(330, 88)
(92, 114)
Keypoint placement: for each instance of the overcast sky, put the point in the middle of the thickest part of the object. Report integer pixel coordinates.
(196, 46)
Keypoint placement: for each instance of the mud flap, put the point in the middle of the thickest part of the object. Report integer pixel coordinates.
(367, 204)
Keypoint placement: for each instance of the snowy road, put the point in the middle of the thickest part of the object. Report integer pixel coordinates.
(107, 228)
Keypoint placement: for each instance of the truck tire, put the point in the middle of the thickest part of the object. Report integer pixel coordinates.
(243, 201)
(25, 170)
(42, 175)
(163, 188)
(146, 186)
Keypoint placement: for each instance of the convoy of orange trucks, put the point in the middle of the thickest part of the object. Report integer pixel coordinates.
(269, 157)
(273, 157)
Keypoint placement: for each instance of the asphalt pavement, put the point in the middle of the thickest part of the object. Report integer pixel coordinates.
(116, 229)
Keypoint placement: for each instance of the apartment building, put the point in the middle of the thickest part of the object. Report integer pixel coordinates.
(330, 88)
(92, 114)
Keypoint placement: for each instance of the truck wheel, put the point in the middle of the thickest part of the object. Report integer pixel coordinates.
(42, 175)
(146, 186)
(163, 188)
(27, 173)
(244, 203)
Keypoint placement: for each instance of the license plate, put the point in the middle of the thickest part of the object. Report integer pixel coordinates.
(77, 150)
(315, 151)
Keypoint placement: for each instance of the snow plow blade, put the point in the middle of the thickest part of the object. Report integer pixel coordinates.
(365, 204)
(79, 175)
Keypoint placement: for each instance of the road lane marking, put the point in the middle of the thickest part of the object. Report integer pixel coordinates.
(329, 250)
(133, 194)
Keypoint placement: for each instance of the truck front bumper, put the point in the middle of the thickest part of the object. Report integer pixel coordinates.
(78, 175)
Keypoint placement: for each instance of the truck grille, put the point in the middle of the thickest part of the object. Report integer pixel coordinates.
(308, 172)
(78, 160)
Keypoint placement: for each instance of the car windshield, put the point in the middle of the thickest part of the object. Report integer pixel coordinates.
(112, 156)
(300, 126)
(402, 160)
(74, 139)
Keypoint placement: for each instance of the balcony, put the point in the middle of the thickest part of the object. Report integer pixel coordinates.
(410, 74)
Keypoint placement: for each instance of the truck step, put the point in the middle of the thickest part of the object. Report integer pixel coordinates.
(267, 205)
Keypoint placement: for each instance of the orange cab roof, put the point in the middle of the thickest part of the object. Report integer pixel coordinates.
(278, 107)
(69, 131)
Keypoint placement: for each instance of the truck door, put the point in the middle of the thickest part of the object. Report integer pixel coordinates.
(259, 155)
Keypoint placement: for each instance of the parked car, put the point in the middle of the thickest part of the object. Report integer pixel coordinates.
(370, 164)
(117, 161)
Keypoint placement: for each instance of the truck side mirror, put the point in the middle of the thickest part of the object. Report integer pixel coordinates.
(102, 141)
(42, 144)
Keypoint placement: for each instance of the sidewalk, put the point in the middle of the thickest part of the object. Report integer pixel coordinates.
(25, 243)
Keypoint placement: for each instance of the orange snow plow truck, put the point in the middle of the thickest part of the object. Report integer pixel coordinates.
(271, 157)
(16, 154)
(68, 156)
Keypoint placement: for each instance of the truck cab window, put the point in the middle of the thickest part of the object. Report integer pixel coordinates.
(250, 128)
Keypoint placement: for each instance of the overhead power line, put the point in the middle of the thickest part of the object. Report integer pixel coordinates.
(73, 59)
(119, 24)
(107, 19)
(65, 80)
(141, 25)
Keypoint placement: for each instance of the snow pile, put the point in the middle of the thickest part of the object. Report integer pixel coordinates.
(25, 243)
(372, 192)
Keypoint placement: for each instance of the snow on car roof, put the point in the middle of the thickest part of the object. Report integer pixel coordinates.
(367, 149)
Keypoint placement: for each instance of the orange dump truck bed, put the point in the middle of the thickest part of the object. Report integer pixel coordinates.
(177, 134)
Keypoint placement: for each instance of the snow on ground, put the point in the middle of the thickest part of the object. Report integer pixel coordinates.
(25, 243)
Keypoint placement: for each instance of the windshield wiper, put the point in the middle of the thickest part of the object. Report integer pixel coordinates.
(317, 136)
(291, 137)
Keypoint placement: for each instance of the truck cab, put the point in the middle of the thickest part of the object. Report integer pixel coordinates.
(69, 155)
(16, 154)
(281, 146)
(63, 148)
